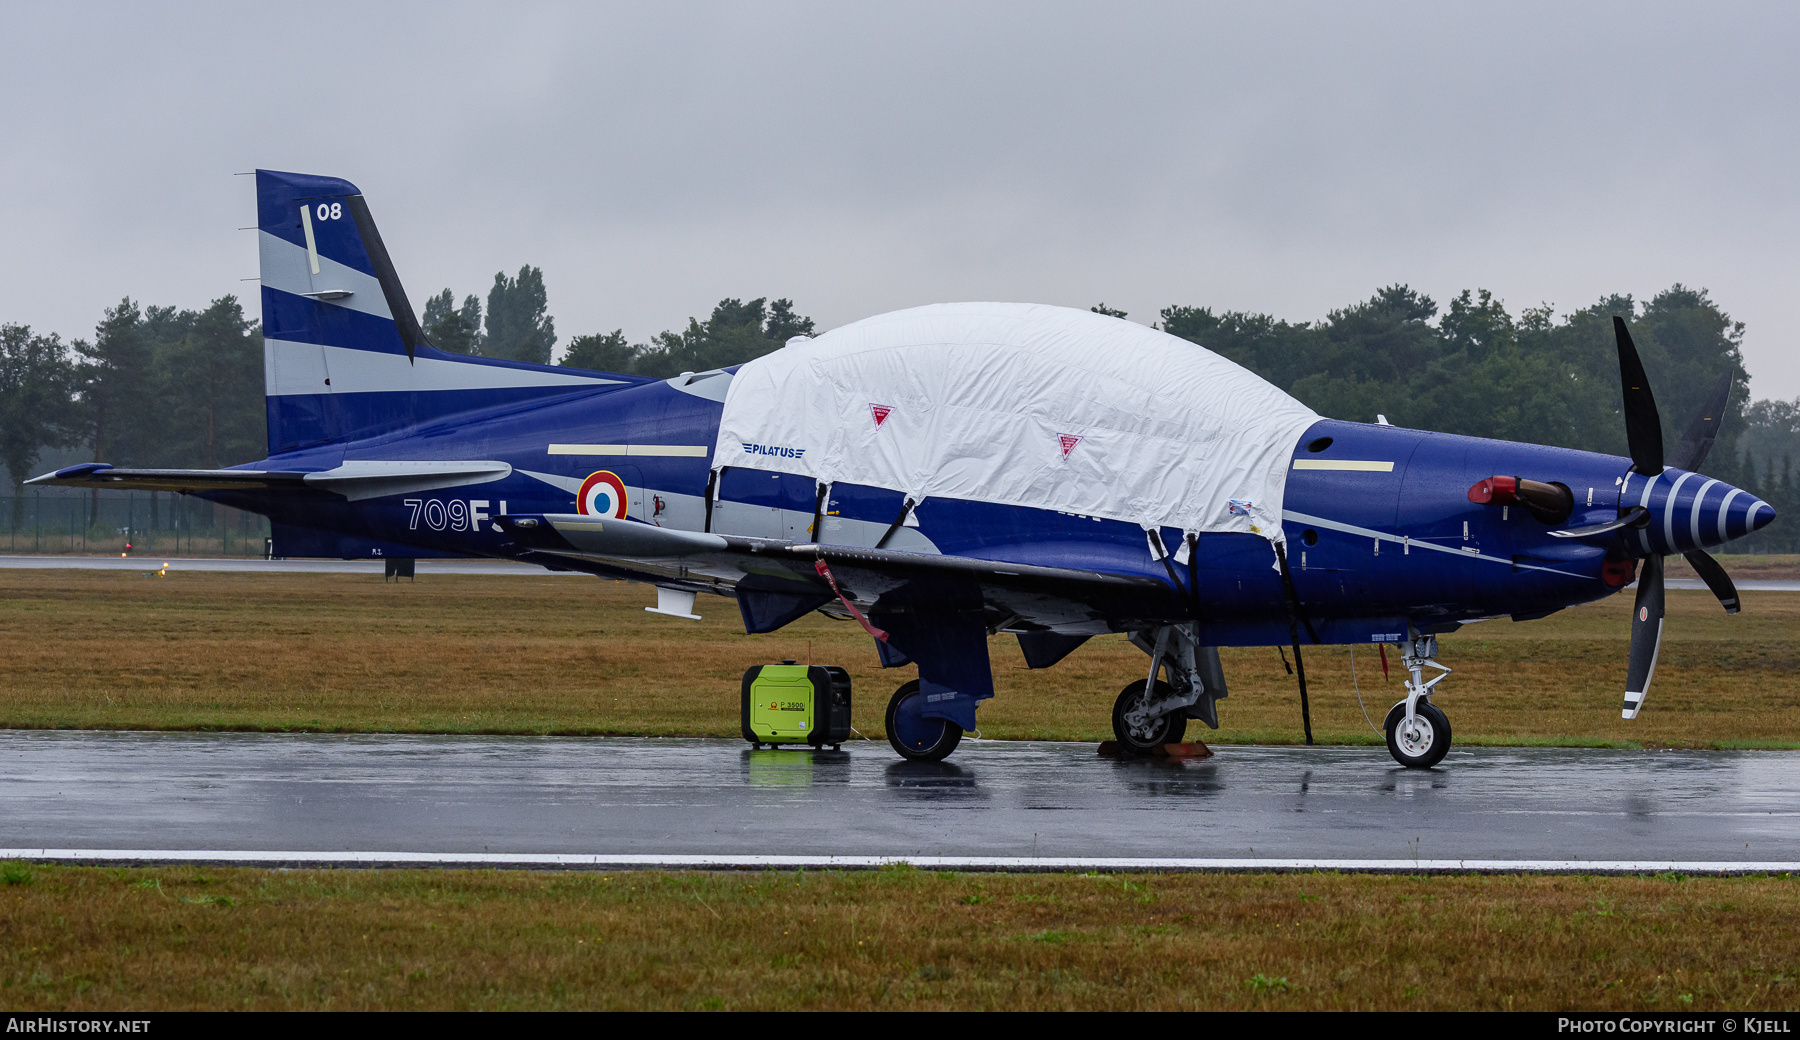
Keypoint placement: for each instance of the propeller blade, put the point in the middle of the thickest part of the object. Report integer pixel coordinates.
(1646, 635)
(1626, 519)
(1698, 440)
(1643, 427)
(1716, 579)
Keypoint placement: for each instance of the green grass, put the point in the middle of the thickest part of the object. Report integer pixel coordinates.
(85, 938)
(567, 655)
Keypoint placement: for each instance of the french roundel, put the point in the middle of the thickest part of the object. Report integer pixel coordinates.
(603, 494)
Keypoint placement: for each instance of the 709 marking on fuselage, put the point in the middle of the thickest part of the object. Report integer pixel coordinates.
(453, 514)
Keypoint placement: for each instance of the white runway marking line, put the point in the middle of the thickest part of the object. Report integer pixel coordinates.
(1011, 864)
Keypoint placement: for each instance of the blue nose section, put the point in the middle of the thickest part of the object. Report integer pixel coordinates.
(1690, 511)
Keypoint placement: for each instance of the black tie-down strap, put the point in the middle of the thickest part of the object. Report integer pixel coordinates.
(1295, 616)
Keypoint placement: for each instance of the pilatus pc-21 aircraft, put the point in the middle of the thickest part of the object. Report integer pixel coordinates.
(945, 473)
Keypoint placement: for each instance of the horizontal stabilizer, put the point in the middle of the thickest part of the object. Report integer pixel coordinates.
(185, 481)
(355, 481)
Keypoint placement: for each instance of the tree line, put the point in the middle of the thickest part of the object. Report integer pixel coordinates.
(517, 326)
(156, 387)
(163, 387)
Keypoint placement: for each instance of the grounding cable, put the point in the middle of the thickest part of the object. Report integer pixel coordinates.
(1359, 701)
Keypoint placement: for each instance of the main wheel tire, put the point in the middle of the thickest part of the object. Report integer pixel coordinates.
(1165, 730)
(1424, 748)
(915, 737)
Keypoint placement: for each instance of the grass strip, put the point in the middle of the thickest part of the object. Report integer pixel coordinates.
(87, 938)
(559, 655)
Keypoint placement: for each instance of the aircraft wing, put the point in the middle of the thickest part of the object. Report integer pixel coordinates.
(1014, 595)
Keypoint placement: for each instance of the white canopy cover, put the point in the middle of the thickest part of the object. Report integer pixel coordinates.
(1025, 405)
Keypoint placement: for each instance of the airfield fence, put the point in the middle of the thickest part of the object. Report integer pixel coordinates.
(139, 522)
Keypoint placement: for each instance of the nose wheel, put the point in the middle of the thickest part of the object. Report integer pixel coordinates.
(1422, 742)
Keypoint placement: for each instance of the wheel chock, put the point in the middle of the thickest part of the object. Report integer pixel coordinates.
(1192, 749)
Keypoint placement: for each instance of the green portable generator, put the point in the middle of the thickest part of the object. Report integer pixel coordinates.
(790, 703)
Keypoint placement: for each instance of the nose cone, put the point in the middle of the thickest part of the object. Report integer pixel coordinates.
(1691, 511)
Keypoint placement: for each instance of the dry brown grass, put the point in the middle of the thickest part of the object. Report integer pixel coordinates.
(562, 654)
(172, 938)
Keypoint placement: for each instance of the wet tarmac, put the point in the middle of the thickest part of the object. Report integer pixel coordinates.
(560, 801)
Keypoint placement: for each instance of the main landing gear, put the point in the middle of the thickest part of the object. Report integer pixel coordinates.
(1136, 727)
(1151, 711)
(1418, 734)
(917, 738)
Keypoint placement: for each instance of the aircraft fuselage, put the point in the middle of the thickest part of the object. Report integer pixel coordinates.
(1381, 531)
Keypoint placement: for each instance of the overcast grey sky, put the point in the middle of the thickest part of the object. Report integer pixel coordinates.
(858, 157)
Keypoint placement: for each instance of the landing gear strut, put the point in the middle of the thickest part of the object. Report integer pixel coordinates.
(1418, 734)
(915, 737)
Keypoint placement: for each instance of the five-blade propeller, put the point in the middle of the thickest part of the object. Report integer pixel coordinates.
(1643, 433)
(1643, 426)
(1698, 440)
(1646, 635)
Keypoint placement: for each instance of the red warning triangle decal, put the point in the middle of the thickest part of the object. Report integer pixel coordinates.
(880, 412)
(1068, 442)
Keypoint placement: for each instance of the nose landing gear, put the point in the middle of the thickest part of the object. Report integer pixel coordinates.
(1418, 734)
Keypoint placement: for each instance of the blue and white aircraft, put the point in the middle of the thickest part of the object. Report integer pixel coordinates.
(382, 446)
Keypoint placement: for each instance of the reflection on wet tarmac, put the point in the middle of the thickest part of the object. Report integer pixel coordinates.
(64, 789)
(1411, 783)
(1167, 777)
(794, 767)
(926, 783)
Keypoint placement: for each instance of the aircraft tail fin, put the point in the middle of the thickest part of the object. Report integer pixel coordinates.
(344, 356)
